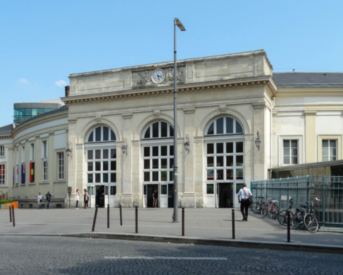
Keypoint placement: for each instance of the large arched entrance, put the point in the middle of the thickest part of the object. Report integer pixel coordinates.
(100, 149)
(224, 150)
(158, 163)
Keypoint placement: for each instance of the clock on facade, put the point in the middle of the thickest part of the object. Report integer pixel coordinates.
(158, 76)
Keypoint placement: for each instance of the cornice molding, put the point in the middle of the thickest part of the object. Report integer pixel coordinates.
(256, 81)
(320, 91)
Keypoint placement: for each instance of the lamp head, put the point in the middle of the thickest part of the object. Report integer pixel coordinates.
(179, 24)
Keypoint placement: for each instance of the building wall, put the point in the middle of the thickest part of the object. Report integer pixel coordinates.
(6, 160)
(129, 117)
(310, 117)
(53, 130)
(128, 99)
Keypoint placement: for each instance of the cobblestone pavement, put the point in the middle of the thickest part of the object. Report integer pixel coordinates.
(61, 255)
(200, 223)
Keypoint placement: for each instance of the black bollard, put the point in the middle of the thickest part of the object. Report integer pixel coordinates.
(136, 218)
(108, 216)
(94, 219)
(13, 216)
(183, 221)
(233, 224)
(121, 215)
(288, 226)
(10, 210)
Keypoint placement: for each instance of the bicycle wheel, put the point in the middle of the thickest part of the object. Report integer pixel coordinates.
(311, 223)
(298, 220)
(282, 218)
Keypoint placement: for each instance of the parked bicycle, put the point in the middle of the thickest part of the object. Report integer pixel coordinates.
(258, 205)
(273, 209)
(302, 217)
(270, 208)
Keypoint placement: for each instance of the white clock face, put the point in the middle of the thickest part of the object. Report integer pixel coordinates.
(158, 76)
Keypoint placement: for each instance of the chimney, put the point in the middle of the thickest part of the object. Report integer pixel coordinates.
(66, 90)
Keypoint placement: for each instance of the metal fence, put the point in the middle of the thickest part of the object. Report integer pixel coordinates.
(304, 189)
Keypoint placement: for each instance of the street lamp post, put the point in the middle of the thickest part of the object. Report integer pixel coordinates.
(177, 23)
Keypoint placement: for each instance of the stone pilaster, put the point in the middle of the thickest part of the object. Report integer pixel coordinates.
(310, 137)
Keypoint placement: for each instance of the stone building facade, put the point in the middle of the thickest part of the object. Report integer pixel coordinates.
(235, 120)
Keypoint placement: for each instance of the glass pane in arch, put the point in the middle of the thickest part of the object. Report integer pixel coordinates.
(171, 131)
(98, 134)
(220, 125)
(113, 136)
(164, 129)
(239, 129)
(210, 130)
(147, 133)
(105, 133)
(229, 125)
(90, 138)
(155, 130)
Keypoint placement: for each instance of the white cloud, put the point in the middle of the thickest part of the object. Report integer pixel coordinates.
(60, 83)
(24, 81)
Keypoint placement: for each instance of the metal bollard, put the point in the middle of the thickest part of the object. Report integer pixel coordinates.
(183, 221)
(121, 215)
(233, 224)
(136, 218)
(108, 216)
(10, 210)
(13, 216)
(94, 219)
(288, 226)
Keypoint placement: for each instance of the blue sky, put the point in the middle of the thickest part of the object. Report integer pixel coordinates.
(42, 42)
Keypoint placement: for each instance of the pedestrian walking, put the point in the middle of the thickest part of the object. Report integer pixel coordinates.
(48, 199)
(244, 198)
(85, 198)
(39, 200)
(77, 198)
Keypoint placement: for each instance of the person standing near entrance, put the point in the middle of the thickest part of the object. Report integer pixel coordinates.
(85, 198)
(77, 198)
(155, 199)
(244, 196)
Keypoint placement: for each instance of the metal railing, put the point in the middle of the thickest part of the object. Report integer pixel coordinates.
(304, 189)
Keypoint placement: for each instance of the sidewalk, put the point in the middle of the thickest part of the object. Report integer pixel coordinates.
(203, 224)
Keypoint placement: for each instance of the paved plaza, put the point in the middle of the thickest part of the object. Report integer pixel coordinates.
(60, 255)
(203, 224)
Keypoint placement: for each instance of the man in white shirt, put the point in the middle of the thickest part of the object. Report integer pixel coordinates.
(39, 199)
(243, 197)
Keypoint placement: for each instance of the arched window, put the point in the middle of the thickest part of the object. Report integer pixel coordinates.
(101, 159)
(224, 126)
(224, 147)
(101, 134)
(158, 164)
(159, 129)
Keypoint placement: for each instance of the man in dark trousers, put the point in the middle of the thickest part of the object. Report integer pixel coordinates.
(48, 199)
(244, 195)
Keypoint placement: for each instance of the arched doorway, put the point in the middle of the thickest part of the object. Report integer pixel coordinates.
(224, 150)
(100, 149)
(158, 163)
